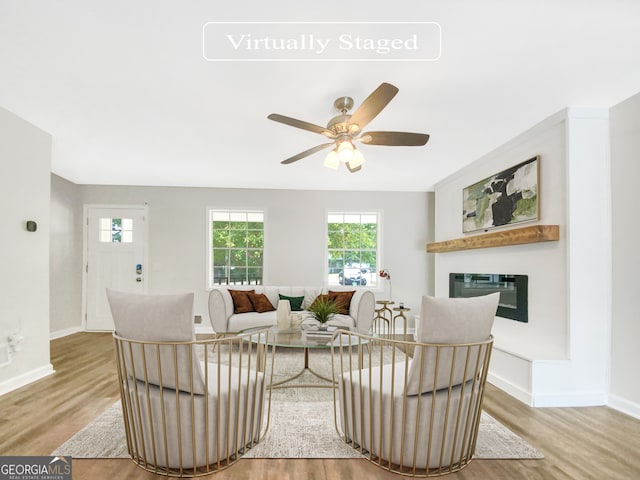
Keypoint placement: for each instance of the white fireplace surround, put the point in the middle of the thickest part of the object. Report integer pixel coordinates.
(561, 356)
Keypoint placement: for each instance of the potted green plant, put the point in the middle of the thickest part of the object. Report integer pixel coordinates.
(322, 309)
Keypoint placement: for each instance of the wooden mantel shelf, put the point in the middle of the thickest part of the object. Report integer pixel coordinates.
(515, 236)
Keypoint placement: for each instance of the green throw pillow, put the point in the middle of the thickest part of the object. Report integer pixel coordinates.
(296, 302)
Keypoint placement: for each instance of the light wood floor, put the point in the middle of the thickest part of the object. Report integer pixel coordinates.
(578, 443)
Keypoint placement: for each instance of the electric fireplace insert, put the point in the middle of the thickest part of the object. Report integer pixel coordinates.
(513, 291)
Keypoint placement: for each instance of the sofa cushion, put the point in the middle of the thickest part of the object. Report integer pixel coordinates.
(342, 299)
(295, 302)
(241, 301)
(248, 320)
(339, 320)
(309, 293)
(260, 302)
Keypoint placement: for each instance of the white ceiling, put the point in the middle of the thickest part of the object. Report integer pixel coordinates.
(124, 90)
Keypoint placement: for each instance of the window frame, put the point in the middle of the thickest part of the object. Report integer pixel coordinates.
(209, 272)
(379, 229)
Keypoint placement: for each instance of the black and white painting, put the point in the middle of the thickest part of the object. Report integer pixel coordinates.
(508, 197)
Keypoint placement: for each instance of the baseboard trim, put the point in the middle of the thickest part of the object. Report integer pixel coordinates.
(26, 378)
(508, 387)
(625, 406)
(65, 332)
(587, 399)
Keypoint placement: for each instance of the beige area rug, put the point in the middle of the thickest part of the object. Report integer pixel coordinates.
(290, 408)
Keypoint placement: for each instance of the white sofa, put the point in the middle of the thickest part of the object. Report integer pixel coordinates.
(223, 319)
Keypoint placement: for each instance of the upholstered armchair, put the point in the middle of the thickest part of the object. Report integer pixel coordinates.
(190, 407)
(414, 407)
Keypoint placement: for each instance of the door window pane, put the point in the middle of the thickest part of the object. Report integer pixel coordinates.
(115, 230)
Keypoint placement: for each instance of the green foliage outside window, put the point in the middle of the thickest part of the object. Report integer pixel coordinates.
(238, 245)
(352, 242)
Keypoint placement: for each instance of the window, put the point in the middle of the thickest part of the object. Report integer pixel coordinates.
(237, 245)
(116, 230)
(352, 248)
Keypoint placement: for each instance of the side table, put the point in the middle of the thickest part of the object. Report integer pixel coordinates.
(400, 315)
(384, 317)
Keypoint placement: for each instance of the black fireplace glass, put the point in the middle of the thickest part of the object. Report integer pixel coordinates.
(513, 302)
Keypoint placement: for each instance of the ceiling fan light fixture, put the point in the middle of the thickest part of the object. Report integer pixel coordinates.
(345, 128)
(331, 160)
(345, 151)
(357, 159)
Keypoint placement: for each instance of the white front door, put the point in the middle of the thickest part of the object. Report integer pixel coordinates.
(115, 249)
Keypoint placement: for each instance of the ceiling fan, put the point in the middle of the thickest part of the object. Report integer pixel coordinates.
(345, 129)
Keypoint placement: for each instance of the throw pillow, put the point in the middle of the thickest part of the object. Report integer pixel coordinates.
(343, 300)
(457, 320)
(295, 302)
(241, 301)
(319, 298)
(449, 321)
(159, 318)
(260, 302)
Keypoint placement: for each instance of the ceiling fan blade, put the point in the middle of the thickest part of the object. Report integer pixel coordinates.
(306, 153)
(355, 169)
(292, 122)
(373, 105)
(396, 139)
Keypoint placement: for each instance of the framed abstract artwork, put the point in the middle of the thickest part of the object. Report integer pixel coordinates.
(508, 197)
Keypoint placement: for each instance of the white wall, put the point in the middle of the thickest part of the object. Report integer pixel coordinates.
(545, 335)
(65, 257)
(294, 234)
(625, 185)
(583, 378)
(560, 356)
(25, 163)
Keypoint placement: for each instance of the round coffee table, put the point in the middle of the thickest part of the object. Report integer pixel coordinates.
(306, 339)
